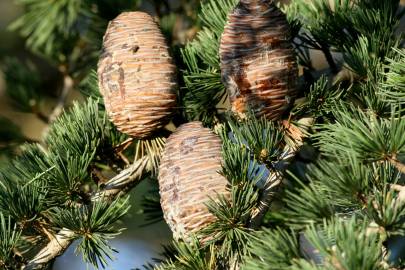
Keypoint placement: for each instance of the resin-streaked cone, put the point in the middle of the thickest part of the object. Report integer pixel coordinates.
(137, 77)
(189, 177)
(258, 64)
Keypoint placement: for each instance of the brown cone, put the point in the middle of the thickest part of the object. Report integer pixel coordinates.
(258, 63)
(136, 75)
(188, 177)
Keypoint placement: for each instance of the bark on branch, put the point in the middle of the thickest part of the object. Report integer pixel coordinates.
(59, 243)
(68, 85)
(270, 187)
(117, 186)
(296, 135)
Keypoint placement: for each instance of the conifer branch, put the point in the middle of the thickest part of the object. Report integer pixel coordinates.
(117, 186)
(329, 58)
(276, 175)
(124, 181)
(54, 248)
(272, 182)
(350, 198)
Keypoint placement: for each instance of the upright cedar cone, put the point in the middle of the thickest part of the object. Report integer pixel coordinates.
(188, 177)
(258, 63)
(136, 75)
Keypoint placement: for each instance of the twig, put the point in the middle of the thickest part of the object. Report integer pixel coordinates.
(117, 186)
(329, 58)
(59, 243)
(272, 182)
(121, 148)
(124, 181)
(124, 145)
(296, 136)
(68, 84)
(41, 116)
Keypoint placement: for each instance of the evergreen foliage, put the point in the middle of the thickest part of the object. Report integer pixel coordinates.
(281, 244)
(395, 85)
(363, 135)
(94, 226)
(334, 203)
(339, 243)
(64, 20)
(203, 89)
(9, 238)
(23, 84)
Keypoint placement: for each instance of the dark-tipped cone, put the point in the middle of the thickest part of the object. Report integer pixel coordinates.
(258, 63)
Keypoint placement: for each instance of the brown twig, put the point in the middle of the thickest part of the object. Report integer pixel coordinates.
(117, 186)
(124, 145)
(41, 116)
(98, 176)
(121, 148)
(68, 85)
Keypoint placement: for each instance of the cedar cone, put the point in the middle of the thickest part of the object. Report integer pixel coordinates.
(136, 75)
(189, 177)
(258, 64)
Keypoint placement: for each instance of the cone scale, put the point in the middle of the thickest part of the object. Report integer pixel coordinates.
(258, 64)
(136, 75)
(188, 178)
